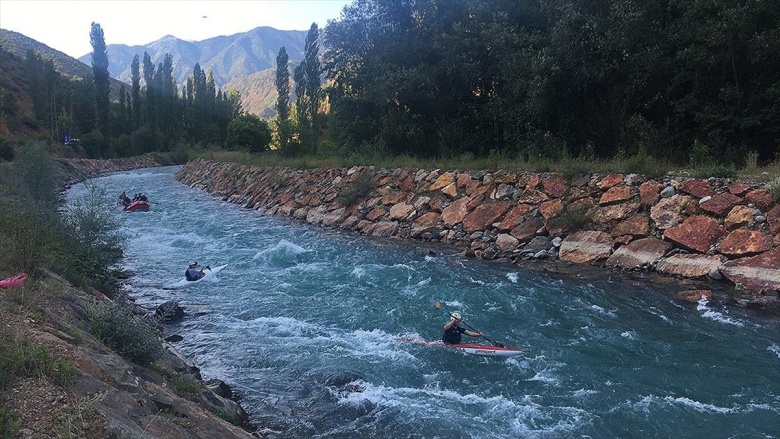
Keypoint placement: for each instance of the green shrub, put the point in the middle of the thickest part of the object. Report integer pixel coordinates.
(774, 189)
(576, 219)
(18, 358)
(133, 337)
(700, 153)
(92, 240)
(183, 386)
(356, 189)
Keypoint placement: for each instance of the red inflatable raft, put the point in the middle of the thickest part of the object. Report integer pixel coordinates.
(13, 281)
(136, 206)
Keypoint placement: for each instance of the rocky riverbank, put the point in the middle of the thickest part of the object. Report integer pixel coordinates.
(109, 396)
(689, 229)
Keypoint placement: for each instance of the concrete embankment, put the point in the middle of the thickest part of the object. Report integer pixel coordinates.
(721, 230)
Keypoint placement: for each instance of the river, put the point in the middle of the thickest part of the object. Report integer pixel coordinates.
(304, 323)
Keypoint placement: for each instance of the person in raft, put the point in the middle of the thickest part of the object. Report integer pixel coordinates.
(193, 273)
(453, 330)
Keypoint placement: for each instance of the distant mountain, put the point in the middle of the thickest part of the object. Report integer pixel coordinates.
(19, 44)
(230, 58)
(244, 62)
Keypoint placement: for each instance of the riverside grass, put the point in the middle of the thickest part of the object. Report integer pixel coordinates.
(641, 163)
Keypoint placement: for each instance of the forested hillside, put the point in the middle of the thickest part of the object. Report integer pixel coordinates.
(693, 83)
(683, 80)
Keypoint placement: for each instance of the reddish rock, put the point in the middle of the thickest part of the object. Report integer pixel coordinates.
(611, 180)
(315, 216)
(512, 218)
(721, 204)
(618, 241)
(436, 204)
(406, 185)
(608, 214)
(394, 197)
(738, 188)
(450, 190)
(472, 186)
(443, 180)
(558, 226)
(432, 176)
(484, 215)
(401, 211)
(551, 208)
(697, 187)
(668, 212)
(635, 226)
(773, 218)
(639, 252)
(455, 212)
(555, 186)
(694, 296)
(532, 196)
(614, 195)
(744, 242)
(375, 214)
(740, 216)
(531, 181)
(422, 203)
(757, 273)
(463, 179)
(585, 246)
(690, 265)
(385, 228)
(697, 233)
(475, 200)
(761, 198)
(506, 242)
(530, 228)
(649, 193)
(424, 223)
(334, 217)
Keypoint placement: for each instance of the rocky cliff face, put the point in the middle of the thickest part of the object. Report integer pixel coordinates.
(717, 229)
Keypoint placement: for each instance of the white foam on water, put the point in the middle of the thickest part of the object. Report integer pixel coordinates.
(631, 335)
(646, 402)
(513, 277)
(359, 272)
(709, 313)
(545, 376)
(774, 348)
(487, 414)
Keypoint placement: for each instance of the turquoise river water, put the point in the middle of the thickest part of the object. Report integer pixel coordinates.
(303, 324)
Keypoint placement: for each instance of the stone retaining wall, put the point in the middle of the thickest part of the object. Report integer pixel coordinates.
(684, 227)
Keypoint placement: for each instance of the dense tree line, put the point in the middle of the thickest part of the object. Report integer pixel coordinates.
(152, 115)
(578, 78)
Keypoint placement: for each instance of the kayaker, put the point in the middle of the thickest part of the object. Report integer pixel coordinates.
(193, 273)
(453, 330)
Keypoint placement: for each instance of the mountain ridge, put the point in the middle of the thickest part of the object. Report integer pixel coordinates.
(227, 56)
(244, 62)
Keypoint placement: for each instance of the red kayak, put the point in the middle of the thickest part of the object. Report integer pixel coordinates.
(472, 348)
(13, 281)
(136, 206)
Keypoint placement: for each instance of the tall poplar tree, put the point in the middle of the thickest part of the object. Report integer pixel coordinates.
(101, 78)
(283, 98)
(135, 74)
(312, 67)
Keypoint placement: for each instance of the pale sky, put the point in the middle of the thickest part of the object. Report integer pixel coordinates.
(64, 25)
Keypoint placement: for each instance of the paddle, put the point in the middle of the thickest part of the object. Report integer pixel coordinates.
(437, 304)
